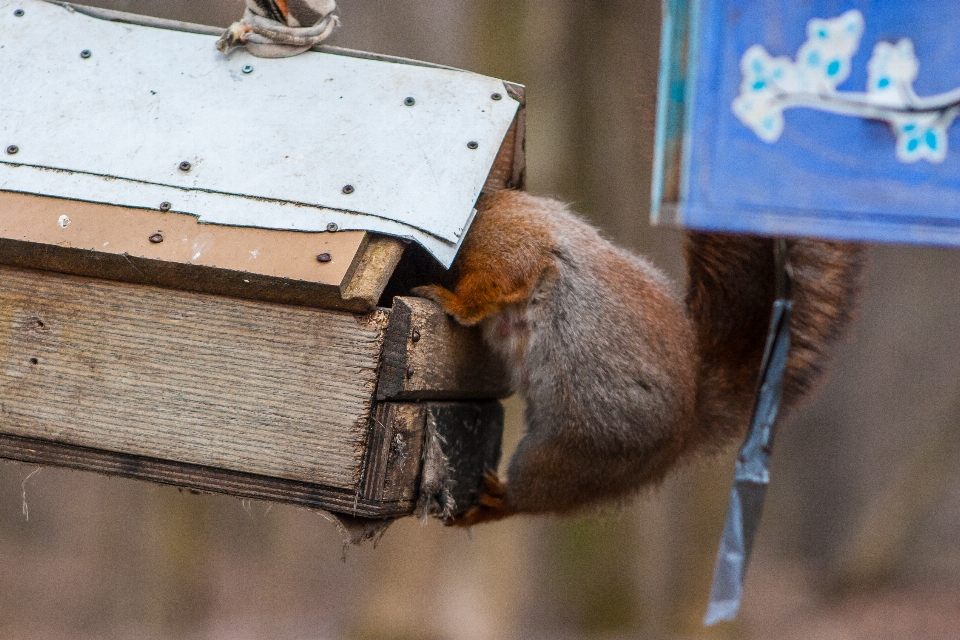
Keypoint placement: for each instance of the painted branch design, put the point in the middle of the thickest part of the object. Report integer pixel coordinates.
(771, 85)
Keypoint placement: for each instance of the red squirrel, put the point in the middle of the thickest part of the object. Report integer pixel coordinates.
(622, 378)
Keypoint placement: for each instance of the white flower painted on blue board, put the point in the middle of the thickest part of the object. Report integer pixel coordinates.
(891, 72)
(771, 85)
(824, 59)
(755, 105)
(921, 140)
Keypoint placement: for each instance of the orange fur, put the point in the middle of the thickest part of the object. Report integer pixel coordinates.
(502, 258)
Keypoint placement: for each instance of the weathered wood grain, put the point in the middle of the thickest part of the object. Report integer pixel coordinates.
(366, 279)
(461, 443)
(434, 452)
(465, 439)
(428, 356)
(245, 386)
(394, 452)
(200, 478)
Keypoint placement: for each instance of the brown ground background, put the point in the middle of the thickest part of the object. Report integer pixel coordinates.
(860, 539)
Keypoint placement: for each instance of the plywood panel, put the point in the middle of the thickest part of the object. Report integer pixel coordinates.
(177, 237)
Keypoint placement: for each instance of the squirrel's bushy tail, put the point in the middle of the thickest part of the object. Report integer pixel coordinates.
(730, 295)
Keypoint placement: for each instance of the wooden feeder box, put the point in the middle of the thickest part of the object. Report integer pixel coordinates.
(205, 262)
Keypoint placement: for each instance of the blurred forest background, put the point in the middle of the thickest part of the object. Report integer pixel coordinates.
(861, 534)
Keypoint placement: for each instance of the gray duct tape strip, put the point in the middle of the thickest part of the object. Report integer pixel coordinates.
(753, 464)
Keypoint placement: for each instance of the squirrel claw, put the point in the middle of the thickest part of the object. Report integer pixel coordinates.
(444, 297)
(492, 504)
(432, 291)
(467, 313)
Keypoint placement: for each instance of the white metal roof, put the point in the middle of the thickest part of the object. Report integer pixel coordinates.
(270, 143)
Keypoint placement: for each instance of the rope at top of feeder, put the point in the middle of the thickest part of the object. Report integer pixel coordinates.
(281, 28)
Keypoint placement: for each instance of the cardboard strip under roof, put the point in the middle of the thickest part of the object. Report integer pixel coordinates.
(148, 116)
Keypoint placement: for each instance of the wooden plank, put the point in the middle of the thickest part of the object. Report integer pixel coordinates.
(121, 230)
(246, 386)
(428, 356)
(466, 438)
(435, 452)
(461, 444)
(364, 283)
(111, 242)
(200, 478)
(394, 452)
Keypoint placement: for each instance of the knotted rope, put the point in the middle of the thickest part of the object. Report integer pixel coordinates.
(281, 28)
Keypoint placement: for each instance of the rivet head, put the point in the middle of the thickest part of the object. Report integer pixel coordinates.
(18, 13)
(348, 189)
(185, 166)
(165, 206)
(415, 336)
(472, 145)
(324, 257)
(156, 238)
(497, 96)
(13, 150)
(409, 372)
(332, 226)
(86, 53)
(247, 68)
(409, 101)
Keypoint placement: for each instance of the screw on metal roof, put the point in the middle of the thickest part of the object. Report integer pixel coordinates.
(324, 257)
(165, 206)
(497, 96)
(472, 145)
(332, 226)
(86, 53)
(247, 68)
(409, 101)
(185, 166)
(19, 13)
(156, 238)
(12, 150)
(348, 189)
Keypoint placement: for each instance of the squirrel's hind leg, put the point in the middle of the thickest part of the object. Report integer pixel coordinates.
(491, 505)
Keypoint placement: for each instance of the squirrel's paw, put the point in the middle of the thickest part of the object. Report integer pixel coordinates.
(436, 293)
(444, 297)
(492, 504)
(451, 303)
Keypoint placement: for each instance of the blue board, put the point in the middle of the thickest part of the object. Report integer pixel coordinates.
(828, 118)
